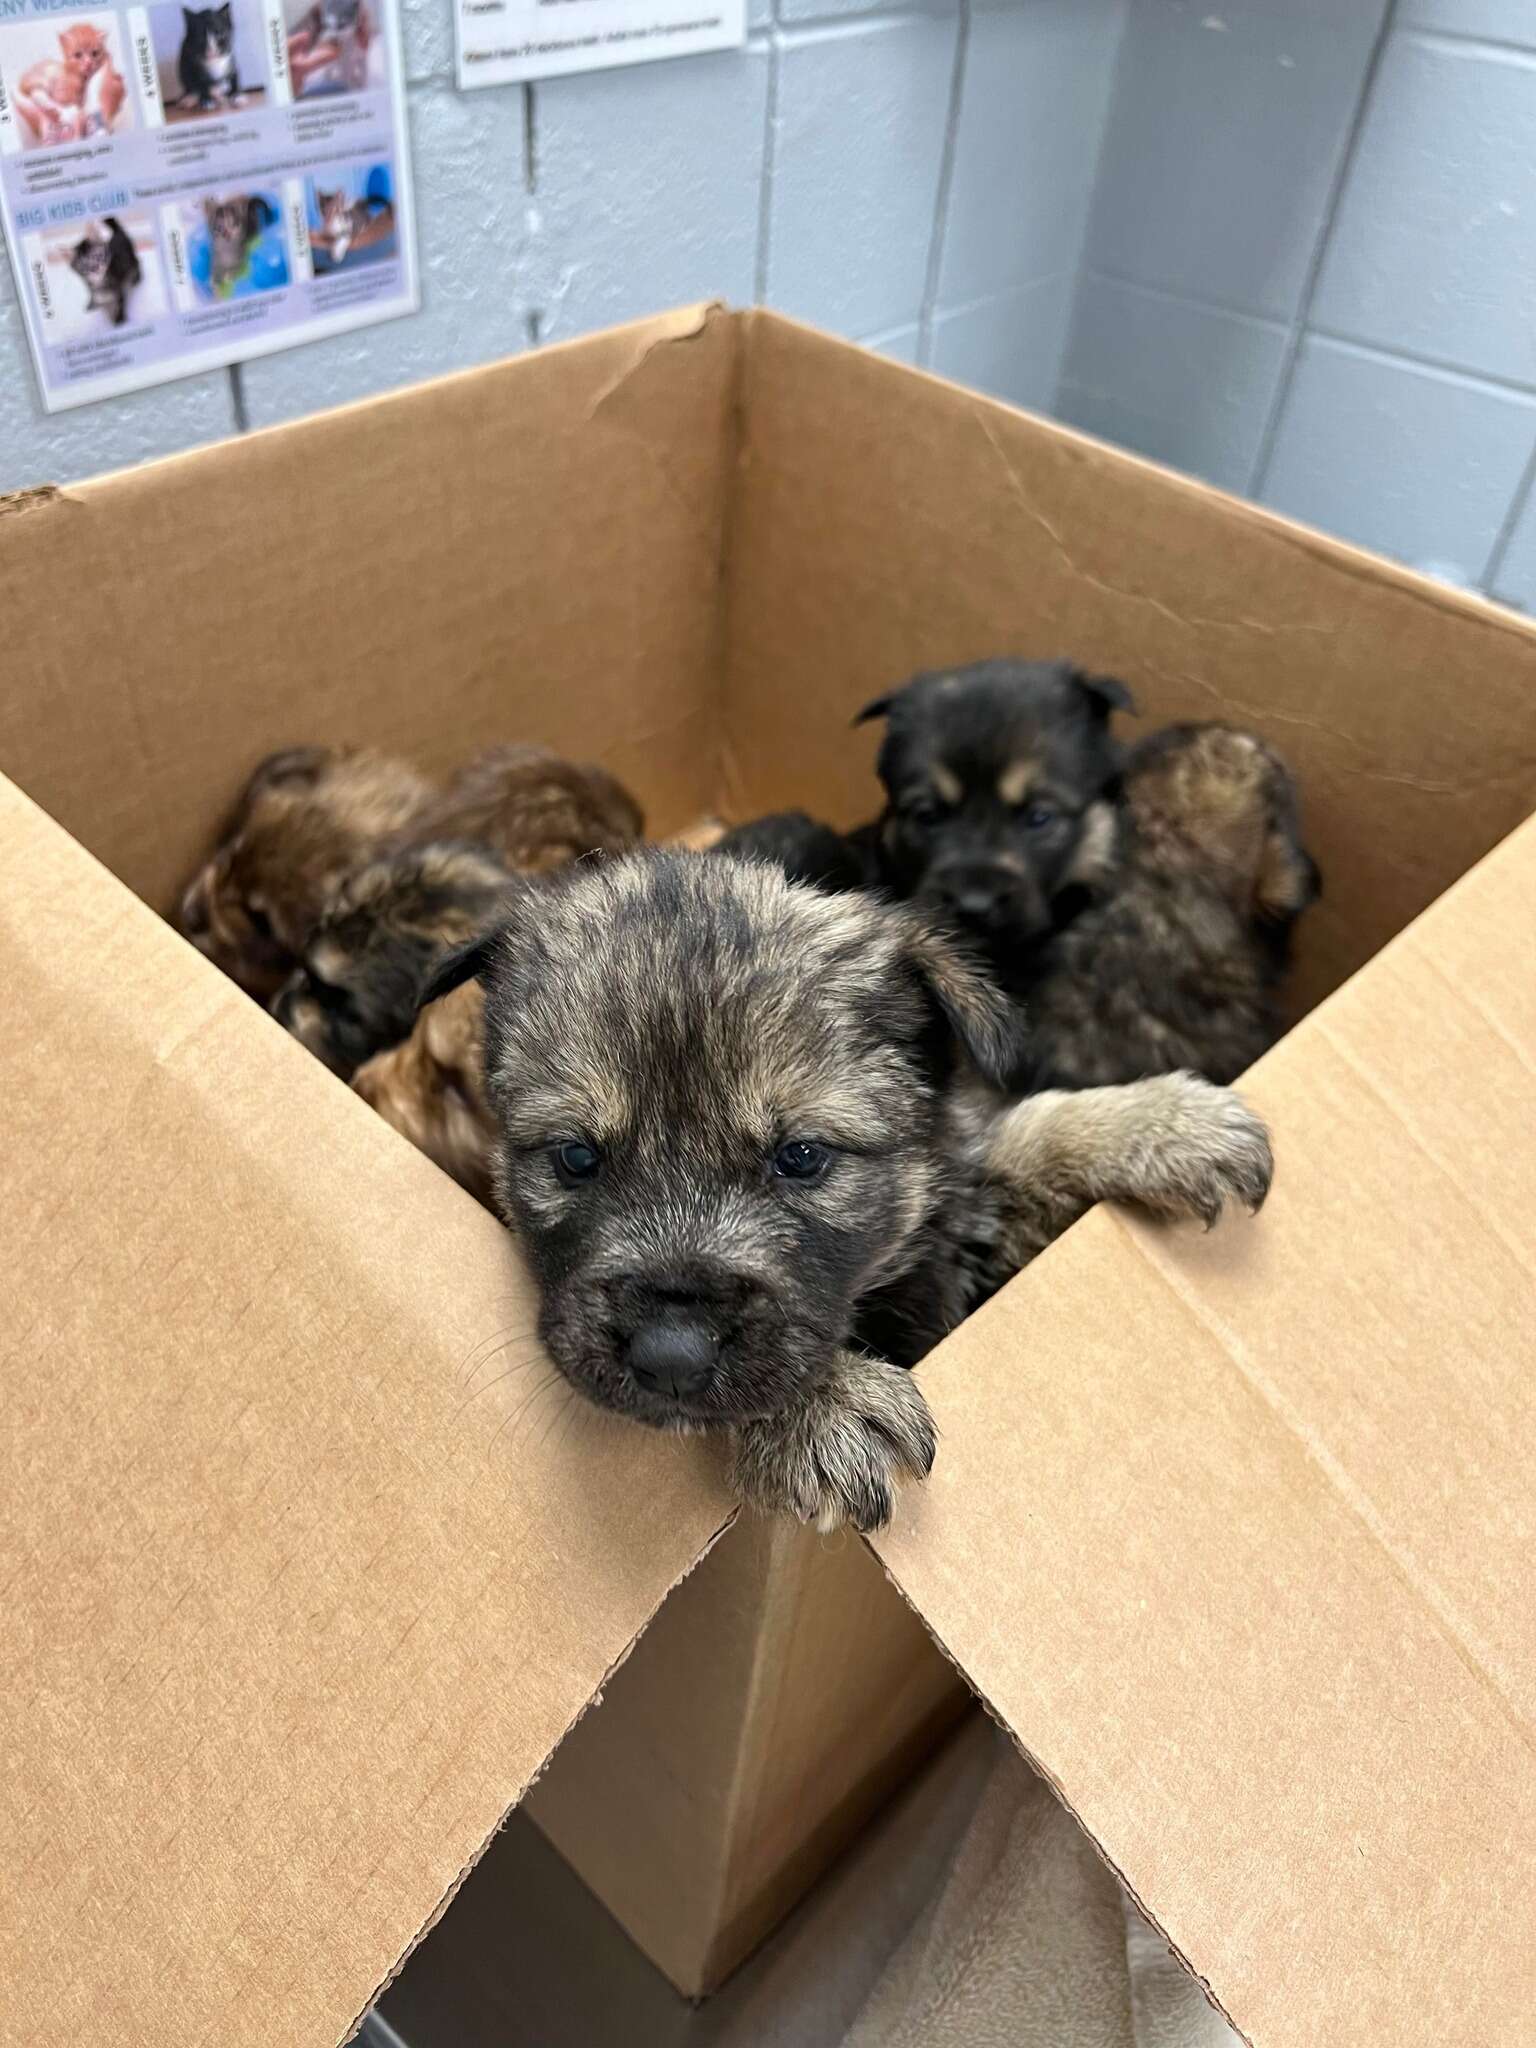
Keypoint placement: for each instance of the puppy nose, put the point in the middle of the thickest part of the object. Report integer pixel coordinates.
(673, 1356)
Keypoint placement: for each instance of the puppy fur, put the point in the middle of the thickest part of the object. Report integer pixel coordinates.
(1179, 963)
(999, 782)
(304, 821)
(431, 1089)
(745, 1133)
(358, 985)
(804, 850)
(536, 810)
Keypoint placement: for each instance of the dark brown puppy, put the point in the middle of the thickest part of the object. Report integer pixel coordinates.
(431, 1088)
(535, 810)
(1179, 964)
(999, 781)
(305, 820)
(744, 1129)
(358, 985)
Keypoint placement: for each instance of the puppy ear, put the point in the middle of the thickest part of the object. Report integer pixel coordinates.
(1105, 693)
(466, 963)
(293, 768)
(988, 1027)
(877, 707)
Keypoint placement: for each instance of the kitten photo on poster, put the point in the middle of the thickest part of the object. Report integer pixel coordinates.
(208, 60)
(351, 213)
(234, 244)
(65, 80)
(334, 46)
(98, 274)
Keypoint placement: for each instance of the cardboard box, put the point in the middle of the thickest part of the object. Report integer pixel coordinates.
(1233, 1533)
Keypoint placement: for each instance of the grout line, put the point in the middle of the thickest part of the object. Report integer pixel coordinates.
(1465, 38)
(1392, 352)
(237, 398)
(1493, 567)
(946, 181)
(770, 163)
(1180, 297)
(530, 141)
(1258, 475)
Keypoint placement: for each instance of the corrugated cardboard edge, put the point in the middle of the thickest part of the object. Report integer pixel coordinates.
(596, 1700)
(1000, 1720)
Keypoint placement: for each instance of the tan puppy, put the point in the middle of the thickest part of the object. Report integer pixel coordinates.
(306, 819)
(432, 1089)
(535, 810)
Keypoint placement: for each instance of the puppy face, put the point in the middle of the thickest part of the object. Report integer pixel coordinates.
(360, 977)
(432, 1090)
(996, 777)
(720, 1104)
(303, 821)
(1216, 804)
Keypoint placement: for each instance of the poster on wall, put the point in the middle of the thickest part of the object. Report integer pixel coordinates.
(501, 41)
(189, 186)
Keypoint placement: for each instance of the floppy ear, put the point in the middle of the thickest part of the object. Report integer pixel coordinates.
(1105, 693)
(466, 963)
(988, 1027)
(877, 707)
(293, 768)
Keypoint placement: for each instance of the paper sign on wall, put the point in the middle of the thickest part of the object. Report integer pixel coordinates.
(504, 40)
(189, 186)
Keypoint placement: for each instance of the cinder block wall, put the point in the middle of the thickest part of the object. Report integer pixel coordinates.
(1310, 271)
(917, 176)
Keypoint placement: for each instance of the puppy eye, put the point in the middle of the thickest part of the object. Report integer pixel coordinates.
(925, 812)
(801, 1159)
(575, 1161)
(1037, 815)
(259, 921)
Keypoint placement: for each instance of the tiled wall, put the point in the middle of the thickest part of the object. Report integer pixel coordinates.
(1310, 271)
(916, 176)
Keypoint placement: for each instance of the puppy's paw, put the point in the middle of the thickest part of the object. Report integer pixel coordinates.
(835, 1456)
(1203, 1147)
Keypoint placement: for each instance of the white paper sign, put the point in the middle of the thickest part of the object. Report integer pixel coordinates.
(186, 186)
(504, 40)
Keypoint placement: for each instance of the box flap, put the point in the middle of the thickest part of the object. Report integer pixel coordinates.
(885, 522)
(309, 1561)
(1235, 1533)
(536, 543)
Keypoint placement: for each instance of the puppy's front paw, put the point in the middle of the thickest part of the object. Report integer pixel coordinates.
(1204, 1148)
(836, 1455)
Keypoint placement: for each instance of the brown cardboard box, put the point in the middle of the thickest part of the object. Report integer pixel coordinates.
(1234, 1533)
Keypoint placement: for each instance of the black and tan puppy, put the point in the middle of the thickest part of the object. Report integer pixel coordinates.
(306, 819)
(431, 1088)
(1179, 963)
(804, 849)
(746, 1135)
(358, 984)
(999, 781)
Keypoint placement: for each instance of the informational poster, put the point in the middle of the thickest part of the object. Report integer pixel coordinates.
(184, 186)
(504, 40)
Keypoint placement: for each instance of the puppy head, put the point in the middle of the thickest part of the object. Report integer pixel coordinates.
(997, 778)
(431, 1088)
(1218, 804)
(303, 821)
(359, 980)
(538, 811)
(720, 1103)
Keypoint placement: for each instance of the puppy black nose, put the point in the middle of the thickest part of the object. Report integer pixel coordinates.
(974, 903)
(673, 1355)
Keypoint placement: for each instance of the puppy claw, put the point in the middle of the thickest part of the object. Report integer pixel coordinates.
(834, 1457)
(1211, 1149)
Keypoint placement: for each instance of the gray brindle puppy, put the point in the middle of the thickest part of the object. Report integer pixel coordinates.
(750, 1136)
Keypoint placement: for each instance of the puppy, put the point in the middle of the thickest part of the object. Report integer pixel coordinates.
(803, 849)
(746, 1134)
(535, 810)
(304, 821)
(432, 1089)
(358, 984)
(999, 781)
(1179, 965)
